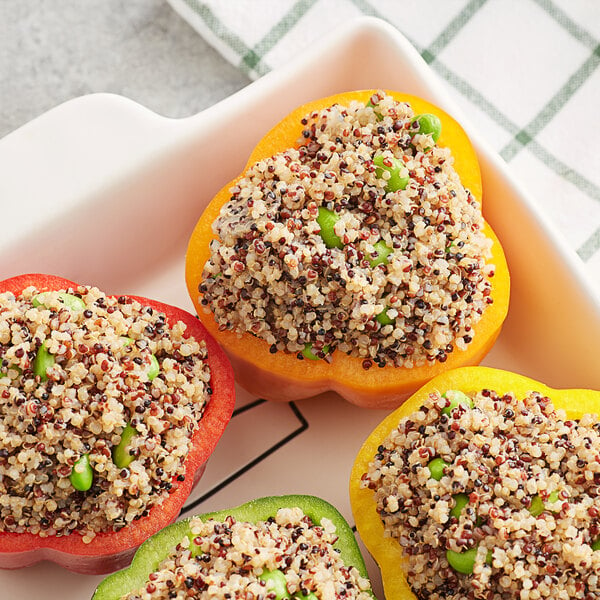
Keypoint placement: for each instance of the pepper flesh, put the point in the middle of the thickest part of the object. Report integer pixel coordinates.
(110, 551)
(385, 550)
(282, 376)
(150, 554)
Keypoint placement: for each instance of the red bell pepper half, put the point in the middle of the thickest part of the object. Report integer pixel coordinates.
(110, 551)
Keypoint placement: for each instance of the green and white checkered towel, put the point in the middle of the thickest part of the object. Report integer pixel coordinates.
(525, 71)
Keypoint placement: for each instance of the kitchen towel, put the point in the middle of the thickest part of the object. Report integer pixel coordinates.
(524, 71)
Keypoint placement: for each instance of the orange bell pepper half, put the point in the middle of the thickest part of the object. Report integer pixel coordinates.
(282, 376)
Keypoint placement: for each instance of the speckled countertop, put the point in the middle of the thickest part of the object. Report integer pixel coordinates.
(53, 51)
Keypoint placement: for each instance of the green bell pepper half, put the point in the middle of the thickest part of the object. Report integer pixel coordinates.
(152, 552)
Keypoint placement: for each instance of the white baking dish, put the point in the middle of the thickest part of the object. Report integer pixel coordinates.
(103, 191)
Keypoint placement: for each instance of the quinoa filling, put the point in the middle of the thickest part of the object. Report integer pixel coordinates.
(99, 400)
(287, 556)
(319, 249)
(498, 498)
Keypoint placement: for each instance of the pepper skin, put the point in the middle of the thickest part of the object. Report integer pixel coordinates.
(282, 376)
(385, 550)
(110, 551)
(156, 548)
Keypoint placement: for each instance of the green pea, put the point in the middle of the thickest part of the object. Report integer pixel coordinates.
(154, 369)
(553, 497)
(121, 456)
(596, 544)
(327, 220)
(42, 362)
(73, 302)
(436, 467)
(428, 124)
(379, 116)
(194, 548)
(457, 398)
(383, 251)
(384, 318)
(463, 562)
(398, 173)
(38, 300)
(536, 507)
(308, 353)
(69, 300)
(276, 583)
(460, 501)
(82, 474)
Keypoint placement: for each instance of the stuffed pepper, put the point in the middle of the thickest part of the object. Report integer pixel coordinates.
(352, 254)
(484, 484)
(280, 547)
(109, 408)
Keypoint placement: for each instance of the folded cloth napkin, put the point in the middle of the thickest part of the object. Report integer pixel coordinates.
(525, 71)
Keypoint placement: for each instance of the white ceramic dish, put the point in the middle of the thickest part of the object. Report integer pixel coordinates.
(103, 191)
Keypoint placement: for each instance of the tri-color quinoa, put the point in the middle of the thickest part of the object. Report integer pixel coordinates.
(521, 487)
(99, 384)
(235, 559)
(272, 274)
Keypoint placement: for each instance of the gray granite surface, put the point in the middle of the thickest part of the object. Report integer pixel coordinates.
(54, 50)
